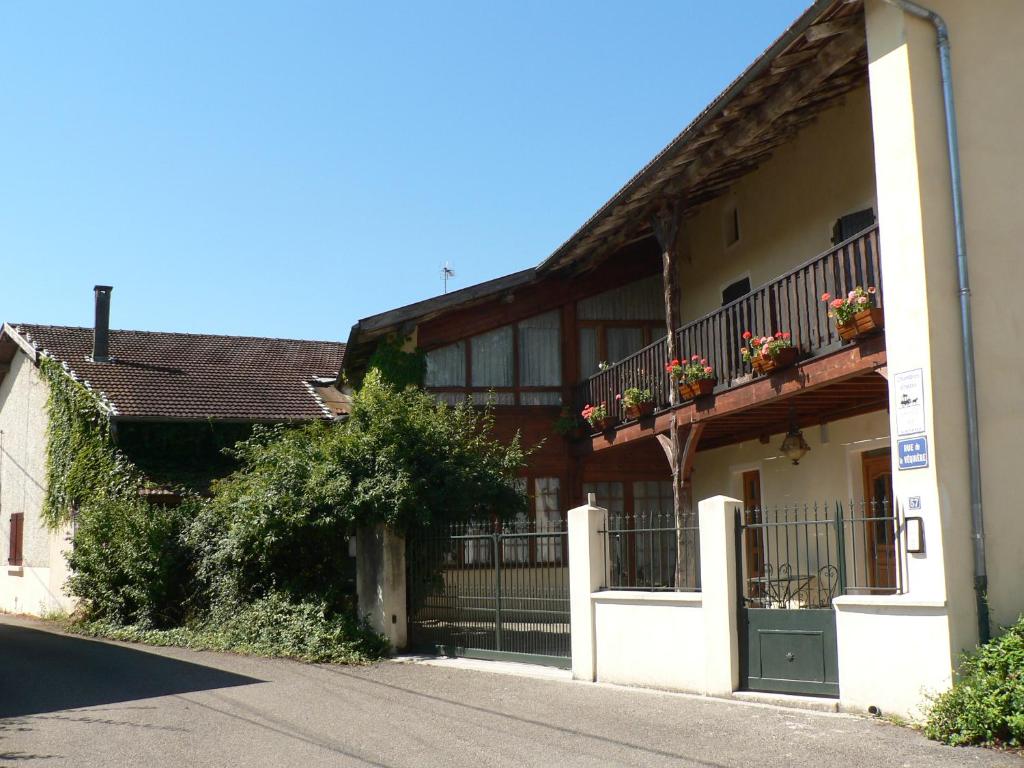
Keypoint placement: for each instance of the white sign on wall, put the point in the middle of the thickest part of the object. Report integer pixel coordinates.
(909, 389)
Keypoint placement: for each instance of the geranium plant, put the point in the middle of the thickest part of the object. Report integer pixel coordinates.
(595, 414)
(760, 347)
(634, 397)
(694, 369)
(857, 300)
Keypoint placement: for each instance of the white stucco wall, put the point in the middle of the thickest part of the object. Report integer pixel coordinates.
(36, 586)
(787, 207)
(655, 640)
(831, 471)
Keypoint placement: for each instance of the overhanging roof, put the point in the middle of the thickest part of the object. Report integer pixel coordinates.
(817, 60)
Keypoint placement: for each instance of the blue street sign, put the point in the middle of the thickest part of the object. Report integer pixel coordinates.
(912, 452)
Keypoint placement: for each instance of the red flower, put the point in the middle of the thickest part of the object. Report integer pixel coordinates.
(675, 362)
(778, 334)
(747, 335)
(695, 358)
(703, 361)
(756, 342)
(826, 296)
(786, 335)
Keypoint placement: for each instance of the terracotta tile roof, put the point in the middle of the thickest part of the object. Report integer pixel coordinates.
(187, 376)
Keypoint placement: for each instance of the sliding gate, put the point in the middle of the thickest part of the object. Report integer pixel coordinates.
(491, 590)
(793, 562)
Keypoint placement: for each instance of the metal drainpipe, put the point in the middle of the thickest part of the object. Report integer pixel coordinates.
(966, 326)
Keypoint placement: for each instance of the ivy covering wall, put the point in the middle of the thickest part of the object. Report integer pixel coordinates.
(82, 462)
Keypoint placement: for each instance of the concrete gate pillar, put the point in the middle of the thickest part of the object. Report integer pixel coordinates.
(380, 582)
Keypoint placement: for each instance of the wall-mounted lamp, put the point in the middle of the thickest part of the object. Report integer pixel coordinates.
(794, 447)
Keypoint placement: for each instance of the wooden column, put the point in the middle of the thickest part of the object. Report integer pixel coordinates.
(680, 456)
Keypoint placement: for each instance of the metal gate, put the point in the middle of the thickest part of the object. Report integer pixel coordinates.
(491, 590)
(793, 561)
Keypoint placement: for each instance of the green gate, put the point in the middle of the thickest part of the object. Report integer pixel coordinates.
(491, 590)
(792, 562)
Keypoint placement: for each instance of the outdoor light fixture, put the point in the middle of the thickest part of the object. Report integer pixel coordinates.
(794, 446)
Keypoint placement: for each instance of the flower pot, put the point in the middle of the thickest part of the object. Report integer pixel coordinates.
(640, 410)
(768, 364)
(863, 323)
(699, 388)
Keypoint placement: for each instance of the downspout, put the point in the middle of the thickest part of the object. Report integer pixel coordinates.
(966, 326)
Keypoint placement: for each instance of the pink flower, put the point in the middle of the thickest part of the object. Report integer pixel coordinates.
(851, 295)
(703, 361)
(707, 369)
(746, 335)
(695, 358)
(837, 304)
(862, 300)
(826, 296)
(618, 397)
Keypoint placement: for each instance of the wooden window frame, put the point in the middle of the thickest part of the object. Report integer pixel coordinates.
(516, 389)
(648, 329)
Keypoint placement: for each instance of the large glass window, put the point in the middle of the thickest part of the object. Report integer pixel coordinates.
(548, 515)
(655, 550)
(446, 367)
(540, 351)
(531, 348)
(491, 356)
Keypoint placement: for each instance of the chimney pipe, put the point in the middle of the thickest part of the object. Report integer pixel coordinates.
(101, 330)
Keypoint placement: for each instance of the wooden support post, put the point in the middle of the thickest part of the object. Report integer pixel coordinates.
(666, 229)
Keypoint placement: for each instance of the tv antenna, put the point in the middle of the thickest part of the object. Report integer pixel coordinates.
(446, 273)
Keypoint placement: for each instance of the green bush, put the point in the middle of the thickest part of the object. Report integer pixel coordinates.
(270, 626)
(130, 563)
(986, 704)
(283, 520)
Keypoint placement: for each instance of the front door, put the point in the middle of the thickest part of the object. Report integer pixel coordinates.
(881, 544)
(754, 544)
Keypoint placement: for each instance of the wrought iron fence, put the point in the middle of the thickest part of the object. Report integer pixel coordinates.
(652, 552)
(493, 587)
(803, 556)
(790, 303)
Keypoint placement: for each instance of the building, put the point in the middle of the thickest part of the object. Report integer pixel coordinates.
(867, 562)
(211, 388)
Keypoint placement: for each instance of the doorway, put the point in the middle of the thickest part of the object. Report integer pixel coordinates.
(879, 529)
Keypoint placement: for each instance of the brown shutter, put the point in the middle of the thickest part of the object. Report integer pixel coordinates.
(17, 537)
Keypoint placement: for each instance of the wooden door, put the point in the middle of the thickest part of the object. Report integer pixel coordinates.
(754, 540)
(881, 535)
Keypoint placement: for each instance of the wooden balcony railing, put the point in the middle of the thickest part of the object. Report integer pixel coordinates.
(790, 303)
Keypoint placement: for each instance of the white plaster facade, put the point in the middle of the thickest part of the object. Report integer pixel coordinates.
(36, 586)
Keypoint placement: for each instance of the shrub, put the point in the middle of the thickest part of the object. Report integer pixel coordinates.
(271, 626)
(130, 563)
(986, 704)
(283, 520)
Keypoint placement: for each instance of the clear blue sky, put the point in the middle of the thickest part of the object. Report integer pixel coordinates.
(286, 168)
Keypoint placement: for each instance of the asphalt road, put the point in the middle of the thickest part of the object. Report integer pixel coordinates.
(67, 701)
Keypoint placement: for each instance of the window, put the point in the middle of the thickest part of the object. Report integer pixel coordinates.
(849, 225)
(731, 226)
(17, 533)
(736, 290)
(616, 323)
(446, 367)
(548, 516)
(520, 363)
(655, 551)
(515, 550)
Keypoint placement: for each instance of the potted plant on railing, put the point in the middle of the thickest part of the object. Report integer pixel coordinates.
(695, 378)
(767, 354)
(567, 425)
(856, 315)
(597, 416)
(637, 402)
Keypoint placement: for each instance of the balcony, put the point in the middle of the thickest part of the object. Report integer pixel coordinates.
(792, 303)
